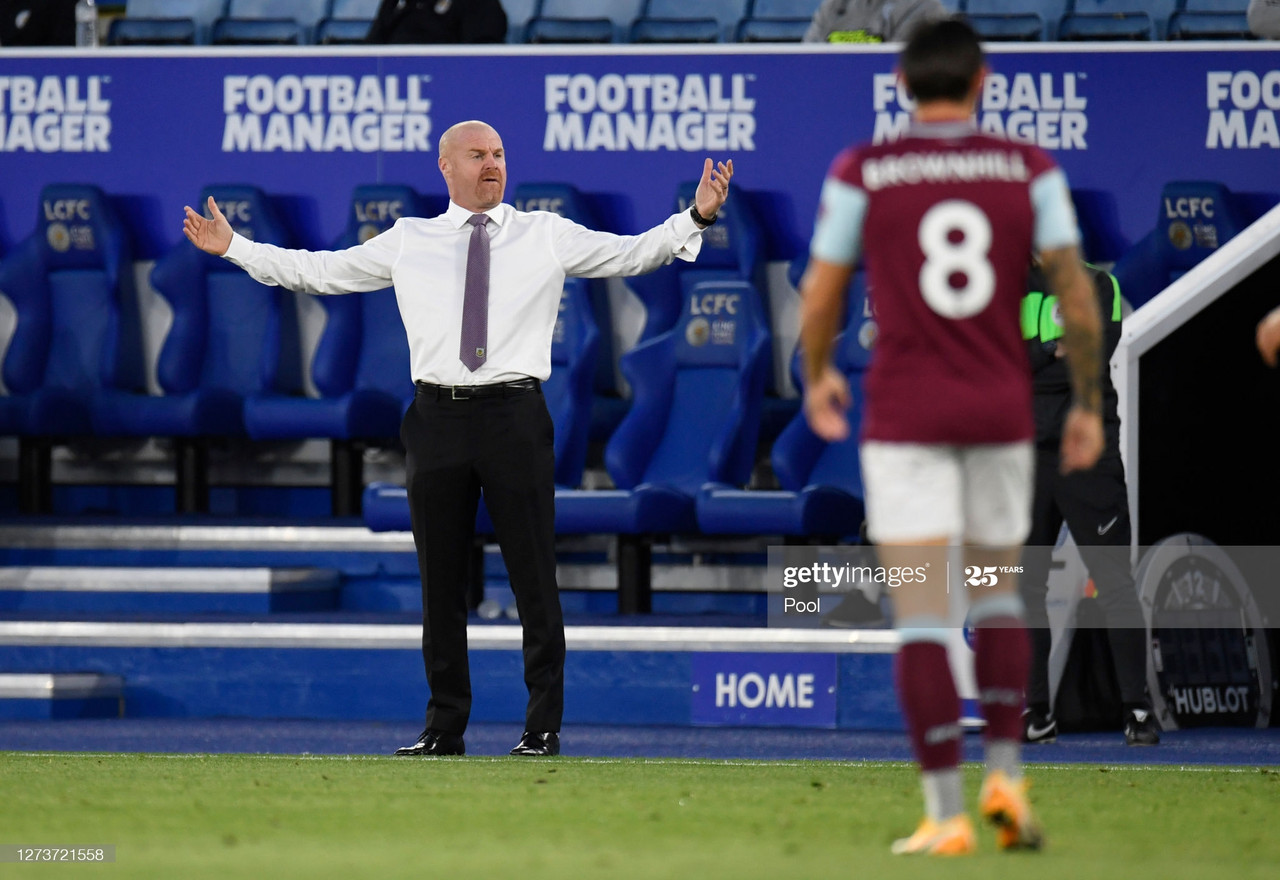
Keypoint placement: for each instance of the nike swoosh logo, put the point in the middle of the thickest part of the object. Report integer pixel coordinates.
(1102, 530)
(1034, 732)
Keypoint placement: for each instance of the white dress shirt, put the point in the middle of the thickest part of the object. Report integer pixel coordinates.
(426, 261)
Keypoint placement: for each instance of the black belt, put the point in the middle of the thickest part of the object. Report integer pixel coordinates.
(475, 392)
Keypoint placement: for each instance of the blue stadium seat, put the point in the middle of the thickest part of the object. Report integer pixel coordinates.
(731, 249)
(342, 31)
(1116, 20)
(77, 334)
(675, 30)
(360, 367)
(152, 32)
(821, 495)
(518, 14)
(1015, 20)
(1195, 218)
(695, 414)
(269, 22)
(572, 21)
(859, 322)
(231, 338)
(346, 23)
(575, 347)
(1211, 20)
(165, 22)
(606, 406)
(678, 21)
(821, 483)
(777, 21)
(581, 21)
(355, 9)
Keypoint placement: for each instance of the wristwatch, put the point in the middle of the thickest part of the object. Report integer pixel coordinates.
(703, 222)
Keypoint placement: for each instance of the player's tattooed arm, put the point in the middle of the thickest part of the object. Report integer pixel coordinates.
(822, 291)
(1082, 324)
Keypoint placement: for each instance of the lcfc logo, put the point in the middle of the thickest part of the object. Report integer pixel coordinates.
(1180, 235)
(697, 332)
(59, 238)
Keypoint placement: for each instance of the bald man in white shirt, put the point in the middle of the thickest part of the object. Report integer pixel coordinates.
(478, 420)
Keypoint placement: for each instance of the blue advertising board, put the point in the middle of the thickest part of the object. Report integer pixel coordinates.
(624, 124)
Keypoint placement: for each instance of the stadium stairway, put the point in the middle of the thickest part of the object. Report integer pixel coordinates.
(204, 619)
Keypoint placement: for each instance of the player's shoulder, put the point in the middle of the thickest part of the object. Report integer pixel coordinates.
(846, 166)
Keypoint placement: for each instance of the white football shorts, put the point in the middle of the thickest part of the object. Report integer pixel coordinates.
(966, 494)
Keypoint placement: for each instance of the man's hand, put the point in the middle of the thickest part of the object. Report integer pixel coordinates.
(1082, 440)
(713, 188)
(826, 401)
(1269, 336)
(213, 236)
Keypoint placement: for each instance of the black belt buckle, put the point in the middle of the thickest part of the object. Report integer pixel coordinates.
(465, 389)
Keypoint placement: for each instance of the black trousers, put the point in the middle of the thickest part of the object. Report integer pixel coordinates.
(455, 450)
(1095, 506)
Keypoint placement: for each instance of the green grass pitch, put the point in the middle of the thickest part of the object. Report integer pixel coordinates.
(188, 816)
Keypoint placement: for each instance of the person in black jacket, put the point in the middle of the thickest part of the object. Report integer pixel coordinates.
(439, 21)
(1095, 506)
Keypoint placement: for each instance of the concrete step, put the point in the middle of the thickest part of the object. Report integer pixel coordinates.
(125, 589)
(55, 695)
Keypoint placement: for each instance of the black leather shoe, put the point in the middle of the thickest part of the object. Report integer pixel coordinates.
(538, 744)
(434, 744)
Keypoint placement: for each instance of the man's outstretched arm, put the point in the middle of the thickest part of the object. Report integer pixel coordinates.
(364, 267)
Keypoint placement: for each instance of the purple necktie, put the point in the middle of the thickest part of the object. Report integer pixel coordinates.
(475, 296)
